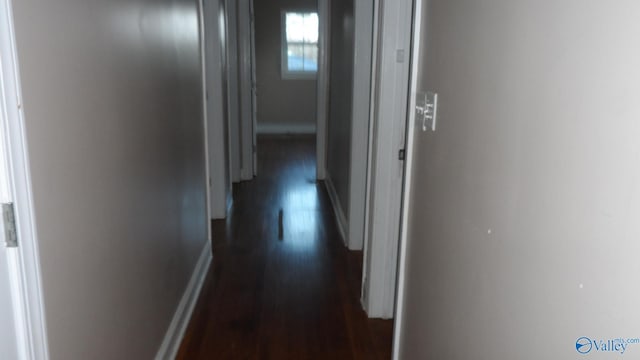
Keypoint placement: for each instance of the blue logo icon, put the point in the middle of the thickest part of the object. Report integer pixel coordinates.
(584, 345)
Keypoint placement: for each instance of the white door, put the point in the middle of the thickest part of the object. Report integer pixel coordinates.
(386, 163)
(8, 340)
(8, 334)
(419, 33)
(22, 324)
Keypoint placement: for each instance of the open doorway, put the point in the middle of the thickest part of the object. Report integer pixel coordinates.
(286, 47)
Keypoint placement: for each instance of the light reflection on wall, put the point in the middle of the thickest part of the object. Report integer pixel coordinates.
(155, 26)
(300, 223)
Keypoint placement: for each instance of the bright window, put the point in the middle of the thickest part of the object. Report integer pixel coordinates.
(299, 45)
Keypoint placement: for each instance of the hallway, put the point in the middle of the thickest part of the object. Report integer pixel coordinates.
(282, 285)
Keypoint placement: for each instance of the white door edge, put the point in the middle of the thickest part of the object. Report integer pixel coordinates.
(24, 260)
(205, 126)
(246, 92)
(400, 291)
(360, 123)
(322, 95)
(385, 193)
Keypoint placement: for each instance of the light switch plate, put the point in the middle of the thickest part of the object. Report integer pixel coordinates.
(427, 110)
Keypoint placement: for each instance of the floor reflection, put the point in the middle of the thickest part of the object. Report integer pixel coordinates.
(300, 225)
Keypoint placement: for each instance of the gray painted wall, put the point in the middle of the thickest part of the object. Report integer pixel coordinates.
(113, 110)
(340, 98)
(283, 105)
(524, 231)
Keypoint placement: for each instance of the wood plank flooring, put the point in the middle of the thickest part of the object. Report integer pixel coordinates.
(282, 285)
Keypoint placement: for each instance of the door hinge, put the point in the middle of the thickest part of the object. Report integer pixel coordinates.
(401, 154)
(9, 220)
(255, 149)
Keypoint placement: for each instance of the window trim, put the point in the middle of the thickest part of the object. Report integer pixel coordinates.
(285, 73)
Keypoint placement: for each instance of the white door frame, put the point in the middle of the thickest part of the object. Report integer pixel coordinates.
(254, 88)
(24, 260)
(247, 131)
(408, 186)
(205, 126)
(322, 84)
(386, 170)
(360, 116)
(248, 93)
(233, 89)
(216, 130)
(12, 341)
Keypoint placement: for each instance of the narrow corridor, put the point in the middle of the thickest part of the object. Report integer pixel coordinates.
(282, 285)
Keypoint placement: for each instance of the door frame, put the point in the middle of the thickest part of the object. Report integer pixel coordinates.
(248, 93)
(390, 87)
(24, 261)
(233, 89)
(205, 125)
(364, 14)
(408, 185)
(322, 84)
(245, 68)
(254, 87)
(216, 129)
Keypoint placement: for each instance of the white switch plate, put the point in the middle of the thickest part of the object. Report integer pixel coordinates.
(427, 110)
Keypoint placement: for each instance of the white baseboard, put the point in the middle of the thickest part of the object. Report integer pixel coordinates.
(341, 220)
(279, 129)
(173, 338)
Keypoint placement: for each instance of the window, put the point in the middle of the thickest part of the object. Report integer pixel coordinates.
(299, 45)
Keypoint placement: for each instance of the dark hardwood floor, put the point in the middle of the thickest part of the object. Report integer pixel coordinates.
(282, 285)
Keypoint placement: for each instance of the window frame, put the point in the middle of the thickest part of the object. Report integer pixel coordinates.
(285, 73)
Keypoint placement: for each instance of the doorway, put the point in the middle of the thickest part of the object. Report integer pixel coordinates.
(285, 59)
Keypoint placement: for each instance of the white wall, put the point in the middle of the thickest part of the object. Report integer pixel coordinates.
(525, 202)
(113, 111)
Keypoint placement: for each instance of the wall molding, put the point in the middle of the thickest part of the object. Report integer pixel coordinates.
(273, 129)
(341, 220)
(173, 338)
